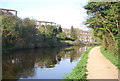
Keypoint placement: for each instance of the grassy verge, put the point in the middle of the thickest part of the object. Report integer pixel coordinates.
(113, 58)
(79, 72)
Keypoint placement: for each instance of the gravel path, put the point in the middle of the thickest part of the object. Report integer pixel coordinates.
(99, 67)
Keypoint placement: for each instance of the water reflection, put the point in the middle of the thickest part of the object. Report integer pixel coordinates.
(38, 63)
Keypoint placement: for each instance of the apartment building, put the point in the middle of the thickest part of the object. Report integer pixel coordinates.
(82, 35)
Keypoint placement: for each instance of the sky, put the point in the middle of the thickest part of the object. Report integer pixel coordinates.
(67, 13)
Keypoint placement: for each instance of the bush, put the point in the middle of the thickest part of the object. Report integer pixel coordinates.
(68, 38)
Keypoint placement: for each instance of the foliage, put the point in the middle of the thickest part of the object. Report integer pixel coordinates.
(104, 22)
(79, 72)
(60, 29)
(61, 35)
(73, 33)
(8, 30)
(21, 33)
(16, 31)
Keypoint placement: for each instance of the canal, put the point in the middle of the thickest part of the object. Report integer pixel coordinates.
(42, 63)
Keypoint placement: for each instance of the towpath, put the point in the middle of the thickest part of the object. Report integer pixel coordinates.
(99, 67)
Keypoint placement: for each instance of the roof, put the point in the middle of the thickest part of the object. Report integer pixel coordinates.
(7, 9)
(46, 22)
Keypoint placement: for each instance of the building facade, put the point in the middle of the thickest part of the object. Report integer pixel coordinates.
(9, 11)
(82, 35)
(44, 23)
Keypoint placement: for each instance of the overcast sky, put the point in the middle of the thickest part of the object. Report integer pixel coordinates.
(64, 12)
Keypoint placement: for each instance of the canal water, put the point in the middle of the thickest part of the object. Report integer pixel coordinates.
(42, 63)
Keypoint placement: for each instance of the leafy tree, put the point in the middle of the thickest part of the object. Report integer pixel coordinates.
(9, 33)
(22, 33)
(28, 32)
(73, 33)
(60, 29)
(104, 22)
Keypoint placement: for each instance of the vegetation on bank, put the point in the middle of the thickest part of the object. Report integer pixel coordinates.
(112, 57)
(20, 33)
(79, 72)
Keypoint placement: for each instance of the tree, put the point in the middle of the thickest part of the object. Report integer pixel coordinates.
(28, 32)
(9, 32)
(21, 33)
(73, 33)
(104, 22)
(60, 29)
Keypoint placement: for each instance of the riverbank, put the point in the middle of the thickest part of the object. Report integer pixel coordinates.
(46, 44)
(103, 68)
(79, 72)
(8, 49)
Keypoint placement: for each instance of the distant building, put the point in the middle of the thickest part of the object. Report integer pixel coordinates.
(67, 31)
(8, 11)
(45, 23)
(82, 35)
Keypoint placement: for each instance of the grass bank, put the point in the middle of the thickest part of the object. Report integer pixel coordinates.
(79, 72)
(113, 58)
